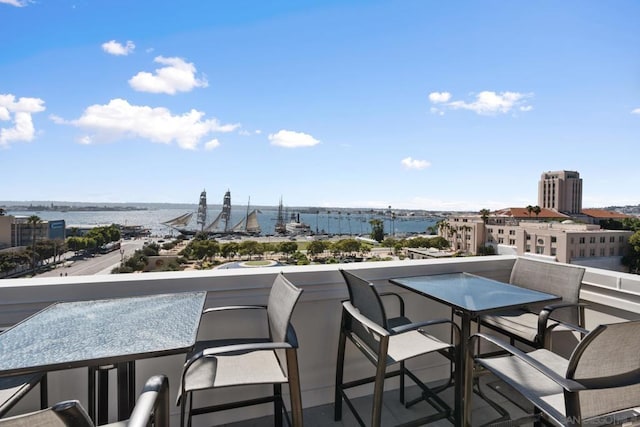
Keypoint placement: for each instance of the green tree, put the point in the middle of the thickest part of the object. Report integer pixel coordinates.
(45, 250)
(199, 249)
(317, 247)
(377, 230)
(536, 210)
(465, 233)
(34, 221)
(529, 209)
(632, 224)
(484, 215)
(439, 242)
(453, 233)
(268, 247)
(486, 250)
(351, 246)
(632, 259)
(229, 250)
(250, 248)
(76, 243)
(443, 227)
(152, 249)
(287, 248)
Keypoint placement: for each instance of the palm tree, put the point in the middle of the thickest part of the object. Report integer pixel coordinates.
(33, 220)
(452, 235)
(536, 210)
(484, 214)
(465, 230)
(529, 209)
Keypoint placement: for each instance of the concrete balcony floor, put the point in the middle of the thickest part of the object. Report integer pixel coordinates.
(394, 412)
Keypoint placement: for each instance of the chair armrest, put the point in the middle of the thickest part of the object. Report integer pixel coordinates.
(419, 325)
(292, 337)
(233, 307)
(153, 401)
(248, 347)
(365, 321)
(398, 296)
(545, 315)
(565, 383)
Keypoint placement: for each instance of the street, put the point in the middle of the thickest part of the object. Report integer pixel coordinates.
(100, 264)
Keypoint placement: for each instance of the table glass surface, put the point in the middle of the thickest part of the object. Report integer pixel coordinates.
(73, 333)
(472, 293)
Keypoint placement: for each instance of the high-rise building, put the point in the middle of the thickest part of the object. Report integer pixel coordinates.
(561, 191)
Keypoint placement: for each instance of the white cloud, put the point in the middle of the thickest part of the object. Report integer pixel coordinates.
(636, 111)
(177, 76)
(485, 103)
(214, 143)
(114, 48)
(245, 132)
(19, 113)
(291, 139)
(119, 119)
(410, 163)
(85, 140)
(16, 3)
(438, 97)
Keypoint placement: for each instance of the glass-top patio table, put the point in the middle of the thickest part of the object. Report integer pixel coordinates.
(470, 296)
(103, 332)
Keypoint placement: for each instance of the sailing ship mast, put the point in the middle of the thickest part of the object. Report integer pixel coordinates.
(202, 210)
(226, 209)
(280, 225)
(249, 224)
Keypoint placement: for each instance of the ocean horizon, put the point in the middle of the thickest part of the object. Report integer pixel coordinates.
(342, 221)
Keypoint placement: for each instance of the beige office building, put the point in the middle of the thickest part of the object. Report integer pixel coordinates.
(561, 191)
(561, 241)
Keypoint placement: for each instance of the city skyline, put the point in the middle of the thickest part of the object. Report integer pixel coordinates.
(454, 106)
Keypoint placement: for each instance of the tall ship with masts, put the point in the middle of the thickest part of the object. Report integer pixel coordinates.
(221, 225)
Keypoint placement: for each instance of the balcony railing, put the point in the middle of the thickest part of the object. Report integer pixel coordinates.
(612, 296)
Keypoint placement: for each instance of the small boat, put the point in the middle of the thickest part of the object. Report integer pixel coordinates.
(295, 226)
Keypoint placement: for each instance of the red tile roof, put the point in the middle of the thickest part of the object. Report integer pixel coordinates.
(522, 213)
(602, 213)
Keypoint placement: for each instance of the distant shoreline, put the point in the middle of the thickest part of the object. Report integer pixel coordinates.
(61, 206)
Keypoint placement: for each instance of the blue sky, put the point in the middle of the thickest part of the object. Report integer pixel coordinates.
(416, 104)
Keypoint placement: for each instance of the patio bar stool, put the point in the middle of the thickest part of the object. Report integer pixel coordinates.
(385, 342)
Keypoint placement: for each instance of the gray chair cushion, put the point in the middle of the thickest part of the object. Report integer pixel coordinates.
(256, 367)
(517, 322)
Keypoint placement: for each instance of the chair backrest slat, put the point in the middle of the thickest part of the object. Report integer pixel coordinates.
(282, 300)
(364, 296)
(558, 279)
(609, 356)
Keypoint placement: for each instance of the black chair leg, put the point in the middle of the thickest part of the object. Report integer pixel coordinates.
(277, 405)
(44, 392)
(337, 403)
(402, 371)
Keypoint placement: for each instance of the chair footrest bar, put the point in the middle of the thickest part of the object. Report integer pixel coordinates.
(367, 380)
(232, 405)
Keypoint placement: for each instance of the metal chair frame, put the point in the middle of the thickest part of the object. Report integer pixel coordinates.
(352, 318)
